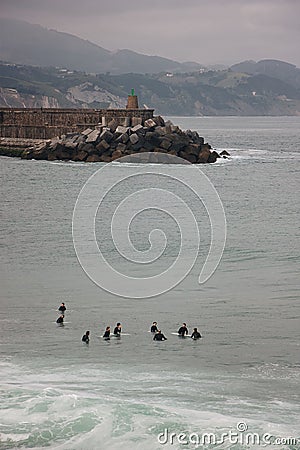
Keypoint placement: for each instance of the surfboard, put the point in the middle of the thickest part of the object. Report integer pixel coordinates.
(61, 323)
(186, 335)
(120, 335)
(115, 336)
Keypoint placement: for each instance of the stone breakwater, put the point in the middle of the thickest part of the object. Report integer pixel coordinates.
(108, 143)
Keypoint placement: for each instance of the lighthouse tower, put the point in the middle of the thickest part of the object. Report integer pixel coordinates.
(132, 101)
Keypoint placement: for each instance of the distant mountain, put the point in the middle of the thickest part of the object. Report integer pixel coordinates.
(194, 93)
(281, 70)
(27, 44)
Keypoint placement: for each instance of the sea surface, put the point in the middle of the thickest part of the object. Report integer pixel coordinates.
(241, 379)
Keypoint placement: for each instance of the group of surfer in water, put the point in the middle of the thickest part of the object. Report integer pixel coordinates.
(157, 333)
(182, 332)
(62, 310)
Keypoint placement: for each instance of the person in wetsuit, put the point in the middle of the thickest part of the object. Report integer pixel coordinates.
(86, 337)
(159, 336)
(183, 330)
(106, 335)
(62, 308)
(154, 328)
(195, 334)
(60, 319)
(118, 329)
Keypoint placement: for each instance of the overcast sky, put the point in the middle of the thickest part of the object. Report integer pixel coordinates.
(205, 31)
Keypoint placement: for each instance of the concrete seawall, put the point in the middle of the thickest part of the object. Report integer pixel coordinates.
(38, 123)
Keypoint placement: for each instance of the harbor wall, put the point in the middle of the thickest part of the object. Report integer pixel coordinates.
(40, 123)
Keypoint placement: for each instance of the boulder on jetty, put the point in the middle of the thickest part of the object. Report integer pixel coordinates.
(108, 143)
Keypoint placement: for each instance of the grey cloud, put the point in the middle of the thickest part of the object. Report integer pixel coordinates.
(201, 30)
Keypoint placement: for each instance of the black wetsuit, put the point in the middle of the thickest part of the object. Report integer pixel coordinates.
(107, 335)
(196, 335)
(117, 331)
(62, 309)
(60, 320)
(85, 338)
(154, 329)
(159, 337)
(182, 331)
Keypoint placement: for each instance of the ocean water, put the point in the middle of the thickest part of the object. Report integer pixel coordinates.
(236, 388)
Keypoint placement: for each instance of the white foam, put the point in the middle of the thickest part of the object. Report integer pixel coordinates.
(127, 407)
(14, 437)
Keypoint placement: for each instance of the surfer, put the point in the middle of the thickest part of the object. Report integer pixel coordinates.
(195, 334)
(62, 308)
(154, 328)
(106, 335)
(118, 329)
(159, 336)
(60, 319)
(86, 337)
(183, 330)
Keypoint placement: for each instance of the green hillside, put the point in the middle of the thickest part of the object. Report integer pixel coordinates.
(224, 92)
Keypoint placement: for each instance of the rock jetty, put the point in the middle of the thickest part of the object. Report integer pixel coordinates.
(108, 143)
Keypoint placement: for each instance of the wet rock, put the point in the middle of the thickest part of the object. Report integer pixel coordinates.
(203, 156)
(134, 138)
(121, 148)
(64, 156)
(159, 121)
(62, 153)
(161, 131)
(27, 153)
(86, 132)
(105, 158)
(52, 157)
(189, 157)
(166, 144)
(102, 146)
(178, 144)
(224, 153)
(136, 128)
(41, 152)
(122, 129)
(124, 138)
(93, 158)
(89, 148)
(70, 144)
(106, 135)
(213, 157)
(139, 144)
(93, 137)
(80, 156)
(149, 123)
(153, 138)
(148, 146)
(112, 125)
(192, 149)
(116, 154)
(175, 129)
